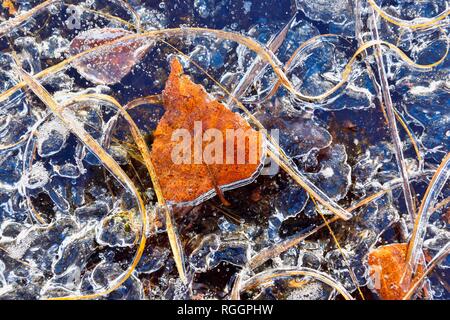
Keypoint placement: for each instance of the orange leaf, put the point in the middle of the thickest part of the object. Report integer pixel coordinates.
(8, 4)
(187, 105)
(388, 269)
(110, 65)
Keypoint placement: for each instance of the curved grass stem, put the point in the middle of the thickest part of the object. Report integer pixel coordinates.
(77, 129)
(145, 152)
(430, 267)
(267, 56)
(268, 276)
(437, 182)
(392, 124)
(411, 24)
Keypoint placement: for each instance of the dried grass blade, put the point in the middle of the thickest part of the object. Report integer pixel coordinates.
(258, 66)
(269, 275)
(417, 23)
(387, 100)
(71, 123)
(438, 181)
(251, 44)
(174, 241)
(430, 267)
(10, 24)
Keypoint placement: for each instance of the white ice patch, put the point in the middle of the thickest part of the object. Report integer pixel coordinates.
(327, 172)
(247, 6)
(37, 177)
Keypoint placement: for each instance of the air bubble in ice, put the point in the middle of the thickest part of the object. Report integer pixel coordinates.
(37, 177)
(199, 259)
(68, 170)
(51, 137)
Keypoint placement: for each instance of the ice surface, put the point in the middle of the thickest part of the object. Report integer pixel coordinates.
(91, 228)
(51, 137)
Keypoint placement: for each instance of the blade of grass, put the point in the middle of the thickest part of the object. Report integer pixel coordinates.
(257, 67)
(376, 85)
(263, 52)
(268, 56)
(145, 152)
(417, 23)
(438, 181)
(270, 275)
(338, 245)
(392, 124)
(430, 267)
(72, 124)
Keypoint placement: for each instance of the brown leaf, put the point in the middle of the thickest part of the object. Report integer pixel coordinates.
(187, 103)
(388, 269)
(109, 65)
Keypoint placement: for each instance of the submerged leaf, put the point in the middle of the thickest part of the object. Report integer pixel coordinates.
(188, 107)
(109, 65)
